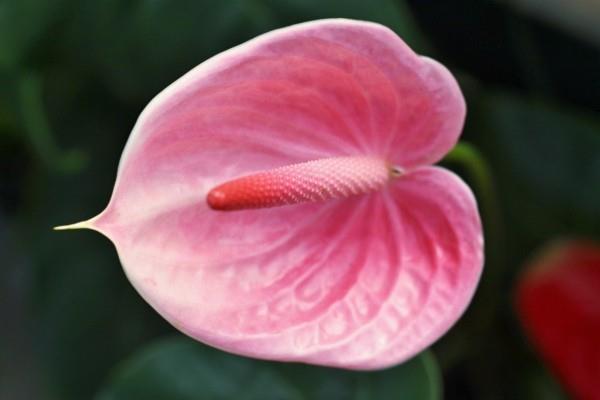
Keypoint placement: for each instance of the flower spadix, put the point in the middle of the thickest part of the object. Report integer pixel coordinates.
(316, 180)
(277, 201)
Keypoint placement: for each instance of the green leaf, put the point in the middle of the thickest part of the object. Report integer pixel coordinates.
(150, 43)
(83, 314)
(23, 27)
(39, 132)
(140, 47)
(541, 385)
(550, 160)
(418, 379)
(179, 368)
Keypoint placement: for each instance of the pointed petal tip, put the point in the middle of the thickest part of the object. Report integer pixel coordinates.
(77, 225)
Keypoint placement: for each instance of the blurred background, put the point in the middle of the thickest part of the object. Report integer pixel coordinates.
(74, 75)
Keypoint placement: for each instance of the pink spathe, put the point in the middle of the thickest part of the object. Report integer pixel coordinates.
(359, 282)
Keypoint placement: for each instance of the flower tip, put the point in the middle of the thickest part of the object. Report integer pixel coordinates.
(78, 225)
(216, 199)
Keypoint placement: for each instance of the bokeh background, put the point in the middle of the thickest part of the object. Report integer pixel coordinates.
(75, 74)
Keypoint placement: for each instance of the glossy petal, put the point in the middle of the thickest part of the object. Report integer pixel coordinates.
(558, 301)
(323, 88)
(361, 282)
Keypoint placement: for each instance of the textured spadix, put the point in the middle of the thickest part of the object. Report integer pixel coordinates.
(362, 282)
(317, 180)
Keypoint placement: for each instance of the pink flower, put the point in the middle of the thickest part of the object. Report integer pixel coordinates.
(365, 255)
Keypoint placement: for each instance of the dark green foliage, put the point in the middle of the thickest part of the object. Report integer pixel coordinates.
(74, 75)
(181, 369)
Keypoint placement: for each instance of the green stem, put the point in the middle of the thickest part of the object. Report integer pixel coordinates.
(488, 301)
(469, 158)
(38, 129)
(434, 374)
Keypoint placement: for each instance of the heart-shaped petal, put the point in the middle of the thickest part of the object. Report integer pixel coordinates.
(359, 282)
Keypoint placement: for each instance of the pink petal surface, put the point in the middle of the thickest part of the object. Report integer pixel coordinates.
(361, 282)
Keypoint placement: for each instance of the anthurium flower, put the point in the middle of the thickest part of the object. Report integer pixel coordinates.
(278, 202)
(558, 302)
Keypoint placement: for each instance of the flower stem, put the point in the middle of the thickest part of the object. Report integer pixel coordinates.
(472, 161)
(37, 127)
(487, 302)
